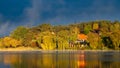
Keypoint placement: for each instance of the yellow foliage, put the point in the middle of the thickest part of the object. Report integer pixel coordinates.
(1, 44)
(48, 42)
(95, 26)
(44, 47)
(14, 42)
(8, 41)
(94, 40)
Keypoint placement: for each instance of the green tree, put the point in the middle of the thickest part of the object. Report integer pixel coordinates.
(105, 26)
(44, 27)
(28, 39)
(59, 28)
(19, 33)
(87, 28)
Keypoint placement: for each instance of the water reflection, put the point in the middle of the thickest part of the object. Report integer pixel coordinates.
(60, 59)
(81, 60)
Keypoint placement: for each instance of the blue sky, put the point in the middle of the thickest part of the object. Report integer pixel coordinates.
(14, 13)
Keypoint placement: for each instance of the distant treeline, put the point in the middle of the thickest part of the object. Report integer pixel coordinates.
(101, 35)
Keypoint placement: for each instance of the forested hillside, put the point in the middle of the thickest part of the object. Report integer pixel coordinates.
(99, 35)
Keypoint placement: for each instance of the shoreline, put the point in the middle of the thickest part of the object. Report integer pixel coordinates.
(17, 49)
(29, 49)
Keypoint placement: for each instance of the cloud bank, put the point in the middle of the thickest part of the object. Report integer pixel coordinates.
(67, 11)
(4, 28)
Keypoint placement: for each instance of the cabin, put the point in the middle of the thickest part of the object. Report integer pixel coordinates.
(82, 39)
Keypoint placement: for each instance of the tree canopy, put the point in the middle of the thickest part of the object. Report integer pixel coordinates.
(101, 35)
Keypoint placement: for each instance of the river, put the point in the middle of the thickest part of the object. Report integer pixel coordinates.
(60, 59)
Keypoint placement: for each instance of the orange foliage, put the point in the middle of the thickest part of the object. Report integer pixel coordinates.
(82, 37)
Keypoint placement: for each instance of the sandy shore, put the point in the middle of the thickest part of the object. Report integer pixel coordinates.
(19, 49)
(36, 49)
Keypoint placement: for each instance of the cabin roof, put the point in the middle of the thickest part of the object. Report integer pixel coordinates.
(82, 37)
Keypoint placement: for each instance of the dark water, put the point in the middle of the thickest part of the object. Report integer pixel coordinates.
(60, 59)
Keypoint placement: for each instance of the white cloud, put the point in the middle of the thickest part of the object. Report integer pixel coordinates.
(4, 28)
(32, 14)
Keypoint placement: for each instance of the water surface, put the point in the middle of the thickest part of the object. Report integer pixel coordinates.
(60, 59)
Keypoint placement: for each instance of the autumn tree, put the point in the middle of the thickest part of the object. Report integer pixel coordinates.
(87, 28)
(95, 41)
(44, 27)
(46, 40)
(10, 42)
(20, 33)
(115, 38)
(104, 26)
(95, 26)
(62, 38)
(60, 27)
(1, 43)
(116, 26)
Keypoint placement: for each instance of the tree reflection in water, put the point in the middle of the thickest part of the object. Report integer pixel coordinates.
(61, 59)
